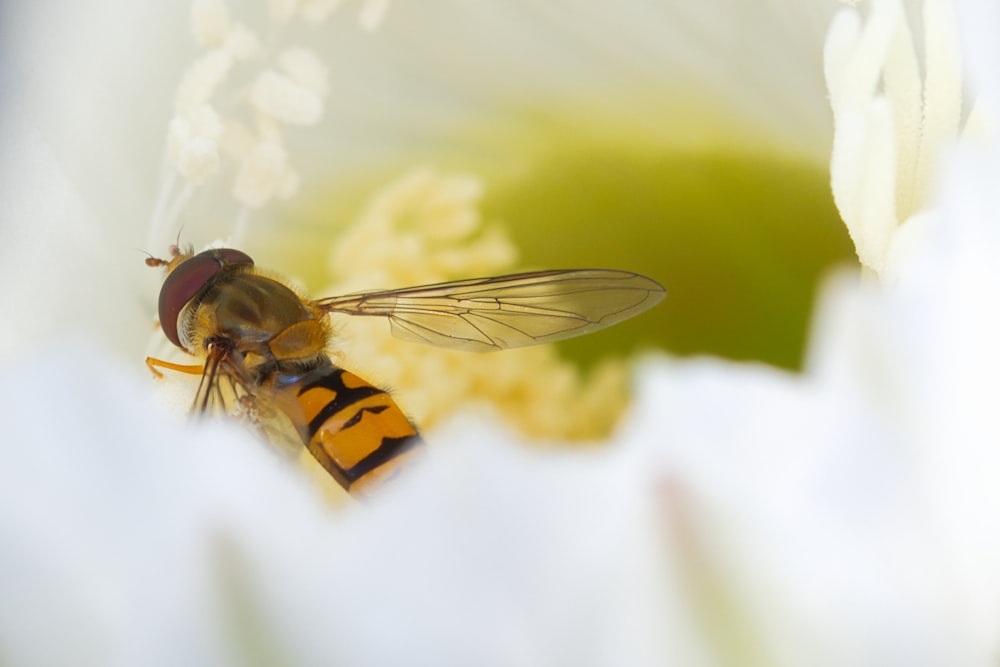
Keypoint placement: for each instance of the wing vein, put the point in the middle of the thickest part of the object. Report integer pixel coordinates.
(506, 311)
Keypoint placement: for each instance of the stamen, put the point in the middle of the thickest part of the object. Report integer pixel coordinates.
(282, 98)
(890, 123)
(942, 93)
(202, 79)
(213, 104)
(261, 174)
(306, 69)
(209, 22)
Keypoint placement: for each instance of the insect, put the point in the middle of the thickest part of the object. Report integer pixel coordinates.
(262, 348)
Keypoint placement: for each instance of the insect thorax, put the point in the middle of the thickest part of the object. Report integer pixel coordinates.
(265, 320)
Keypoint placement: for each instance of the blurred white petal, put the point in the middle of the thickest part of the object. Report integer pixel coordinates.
(977, 19)
(841, 516)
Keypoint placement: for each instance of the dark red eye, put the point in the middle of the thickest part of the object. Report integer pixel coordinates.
(187, 279)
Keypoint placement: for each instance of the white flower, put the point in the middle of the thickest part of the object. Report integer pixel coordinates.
(742, 514)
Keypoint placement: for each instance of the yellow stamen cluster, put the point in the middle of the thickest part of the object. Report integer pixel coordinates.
(426, 228)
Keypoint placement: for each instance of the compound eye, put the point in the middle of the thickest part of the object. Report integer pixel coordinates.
(187, 279)
(229, 256)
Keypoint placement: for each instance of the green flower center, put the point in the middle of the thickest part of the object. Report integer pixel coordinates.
(739, 241)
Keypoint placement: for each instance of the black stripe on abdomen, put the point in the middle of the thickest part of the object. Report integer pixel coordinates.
(386, 452)
(354, 429)
(345, 396)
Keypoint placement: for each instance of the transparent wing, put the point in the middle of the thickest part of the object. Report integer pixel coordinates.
(522, 309)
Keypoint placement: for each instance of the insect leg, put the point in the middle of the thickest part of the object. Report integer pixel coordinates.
(192, 369)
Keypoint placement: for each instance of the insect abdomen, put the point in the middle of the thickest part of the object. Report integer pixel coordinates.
(355, 430)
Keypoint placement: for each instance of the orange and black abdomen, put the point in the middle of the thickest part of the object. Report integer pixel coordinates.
(355, 430)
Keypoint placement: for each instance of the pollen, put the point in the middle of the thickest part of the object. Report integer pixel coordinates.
(287, 100)
(305, 68)
(263, 173)
(202, 79)
(198, 160)
(209, 22)
(242, 43)
(193, 143)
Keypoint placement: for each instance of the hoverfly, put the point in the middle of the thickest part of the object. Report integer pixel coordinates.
(263, 346)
